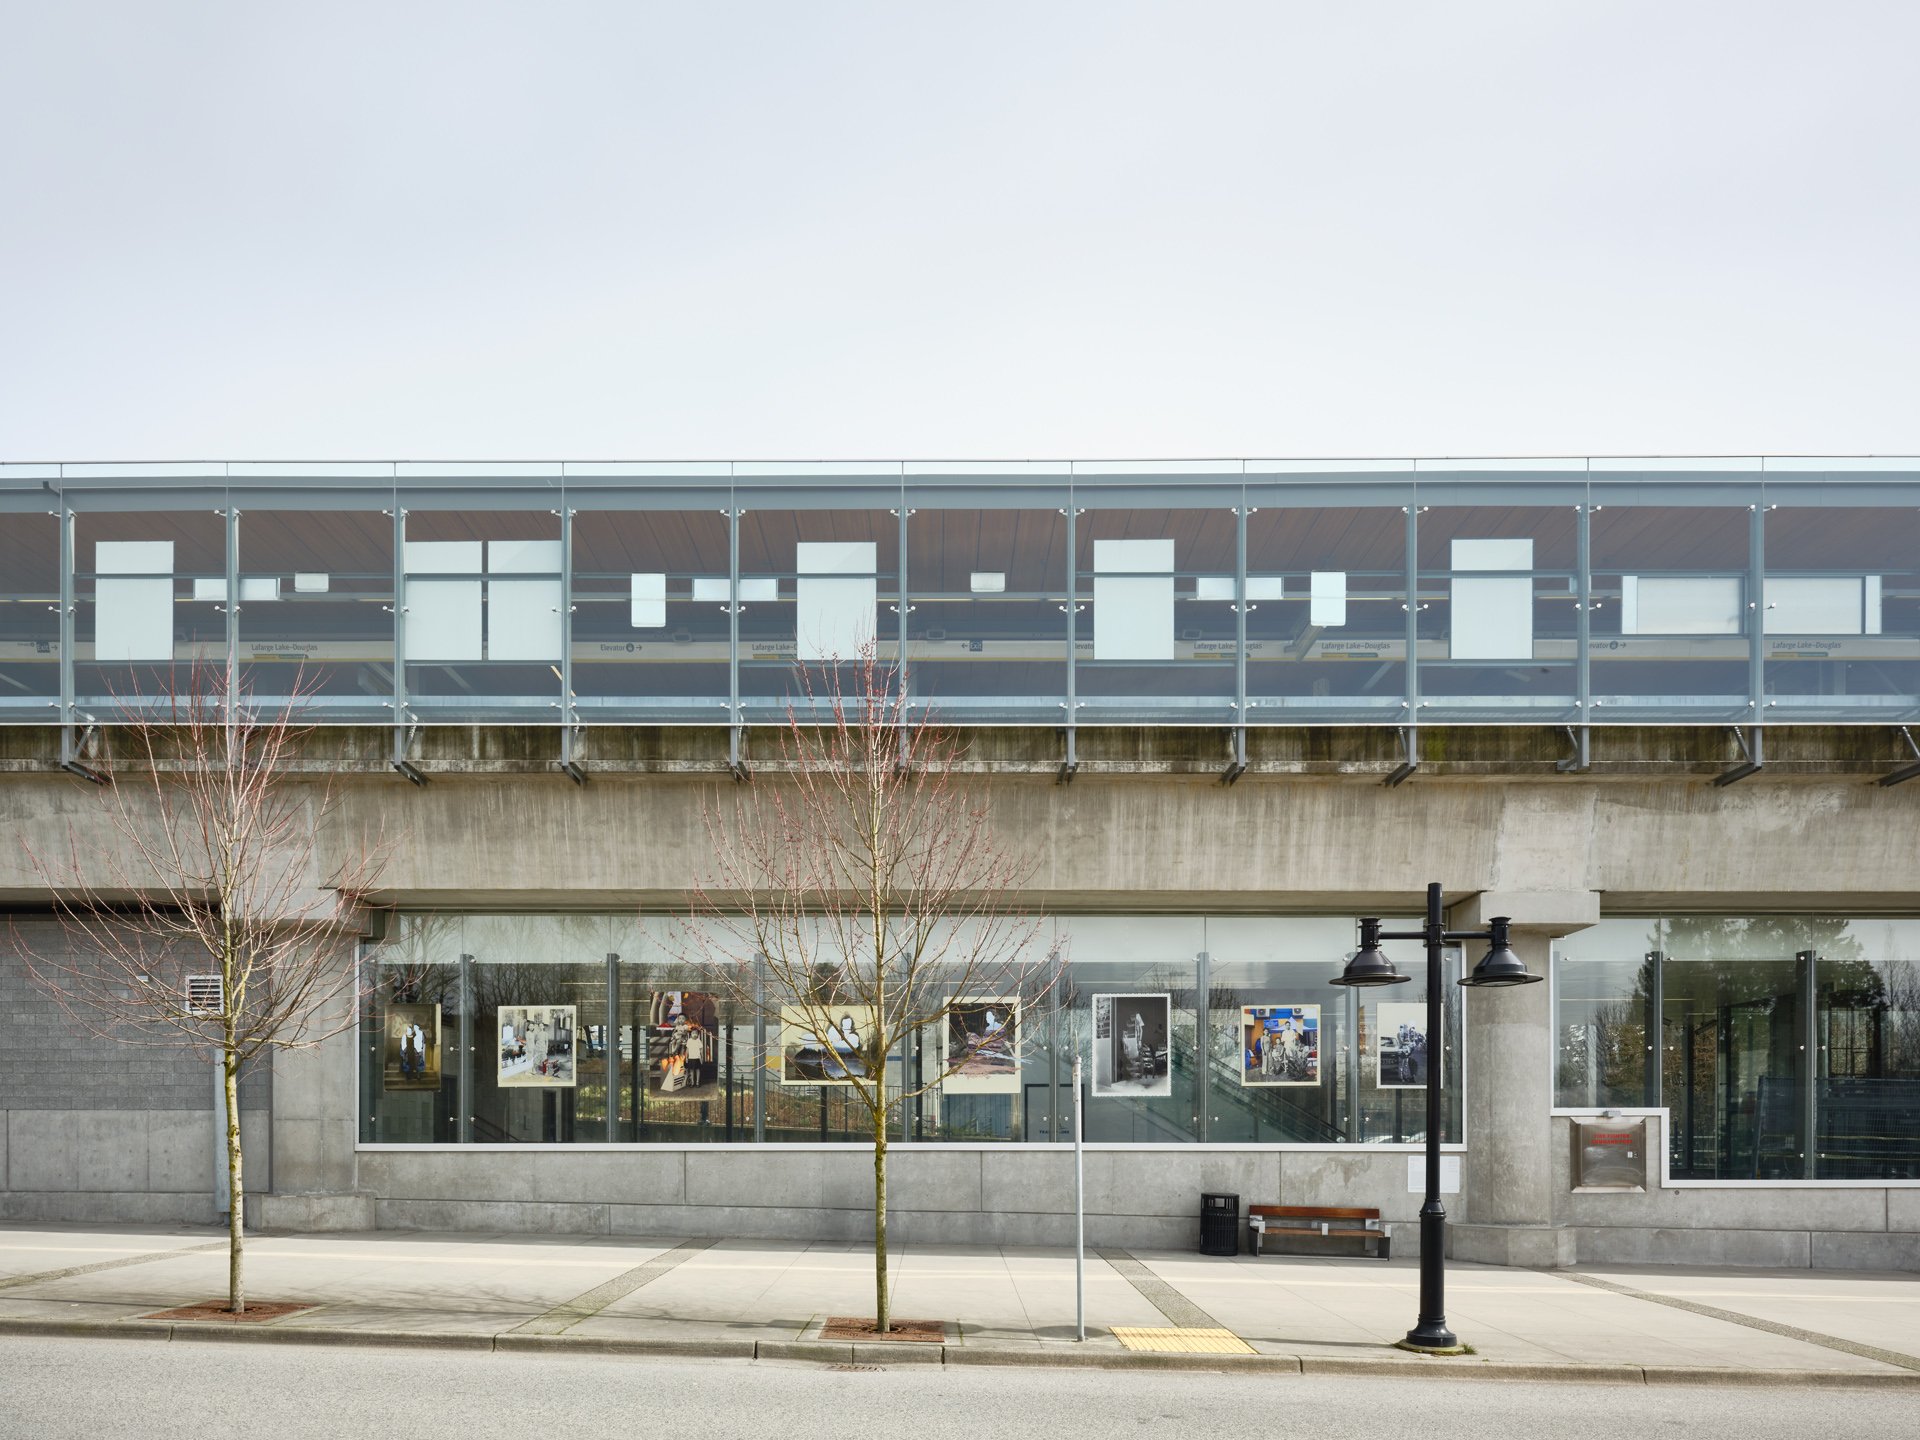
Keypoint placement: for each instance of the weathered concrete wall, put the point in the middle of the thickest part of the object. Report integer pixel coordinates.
(938, 1193)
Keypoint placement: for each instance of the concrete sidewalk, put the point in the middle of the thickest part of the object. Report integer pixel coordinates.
(767, 1299)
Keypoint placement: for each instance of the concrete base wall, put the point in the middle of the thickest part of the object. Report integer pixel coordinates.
(122, 1166)
(1146, 1198)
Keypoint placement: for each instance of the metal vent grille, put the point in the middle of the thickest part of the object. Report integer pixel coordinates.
(204, 995)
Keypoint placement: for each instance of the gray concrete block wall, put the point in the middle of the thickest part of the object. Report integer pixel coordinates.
(47, 1063)
(134, 1166)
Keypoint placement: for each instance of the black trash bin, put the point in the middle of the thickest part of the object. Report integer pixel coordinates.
(1219, 1224)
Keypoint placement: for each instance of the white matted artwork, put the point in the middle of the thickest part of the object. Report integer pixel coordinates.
(1400, 1047)
(1130, 1037)
(826, 1045)
(536, 1047)
(982, 1048)
(1279, 1044)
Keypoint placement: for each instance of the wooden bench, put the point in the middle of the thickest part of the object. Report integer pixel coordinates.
(1318, 1222)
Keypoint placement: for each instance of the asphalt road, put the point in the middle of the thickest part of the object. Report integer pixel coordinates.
(51, 1388)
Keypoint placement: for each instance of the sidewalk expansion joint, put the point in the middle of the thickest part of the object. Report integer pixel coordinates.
(40, 1276)
(1752, 1322)
(585, 1306)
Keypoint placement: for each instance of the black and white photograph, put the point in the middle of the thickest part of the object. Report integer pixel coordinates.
(1400, 1046)
(412, 1047)
(1130, 1055)
(983, 1048)
(536, 1047)
(829, 1045)
(1279, 1045)
(682, 1036)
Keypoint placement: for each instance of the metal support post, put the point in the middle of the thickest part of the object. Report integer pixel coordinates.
(1202, 1044)
(1070, 764)
(1079, 1211)
(466, 1049)
(610, 1047)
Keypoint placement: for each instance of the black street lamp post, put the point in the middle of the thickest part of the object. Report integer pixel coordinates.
(1370, 966)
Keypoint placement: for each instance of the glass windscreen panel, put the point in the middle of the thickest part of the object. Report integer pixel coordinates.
(651, 631)
(1156, 636)
(1669, 628)
(29, 617)
(1606, 1015)
(316, 612)
(1498, 618)
(818, 591)
(1866, 1100)
(1326, 613)
(987, 632)
(1842, 612)
(483, 601)
(150, 591)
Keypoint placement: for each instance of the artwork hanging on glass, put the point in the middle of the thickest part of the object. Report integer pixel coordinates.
(683, 1057)
(827, 1044)
(410, 1047)
(1400, 1046)
(983, 1048)
(536, 1047)
(1280, 1045)
(1130, 1035)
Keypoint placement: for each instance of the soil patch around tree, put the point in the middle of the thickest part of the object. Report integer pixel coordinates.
(853, 1327)
(256, 1311)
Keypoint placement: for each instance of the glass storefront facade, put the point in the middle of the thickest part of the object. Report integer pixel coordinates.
(1239, 592)
(1785, 1048)
(594, 1029)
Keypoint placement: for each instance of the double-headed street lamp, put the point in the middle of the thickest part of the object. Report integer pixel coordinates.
(1370, 966)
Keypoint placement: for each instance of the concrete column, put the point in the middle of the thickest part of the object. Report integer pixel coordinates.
(1508, 1185)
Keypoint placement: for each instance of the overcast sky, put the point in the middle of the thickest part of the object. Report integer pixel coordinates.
(1032, 229)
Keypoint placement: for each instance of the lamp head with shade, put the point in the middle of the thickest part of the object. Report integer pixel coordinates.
(1370, 965)
(1500, 966)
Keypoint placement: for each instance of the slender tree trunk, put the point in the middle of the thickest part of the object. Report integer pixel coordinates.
(883, 1315)
(236, 1192)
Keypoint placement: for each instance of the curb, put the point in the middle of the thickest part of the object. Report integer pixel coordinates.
(987, 1356)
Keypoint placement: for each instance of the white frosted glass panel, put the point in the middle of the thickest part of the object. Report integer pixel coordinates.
(1493, 554)
(523, 619)
(1680, 604)
(1133, 556)
(133, 557)
(1873, 604)
(259, 587)
(649, 596)
(442, 557)
(443, 618)
(837, 557)
(1266, 587)
(1821, 605)
(209, 588)
(1327, 592)
(311, 582)
(523, 557)
(834, 619)
(761, 589)
(1133, 617)
(1492, 618)
(1213, 587)
(133, 619)
(710, 590)
(989, 582)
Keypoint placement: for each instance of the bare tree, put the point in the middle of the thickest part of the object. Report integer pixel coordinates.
(209, 920)
(859, 896)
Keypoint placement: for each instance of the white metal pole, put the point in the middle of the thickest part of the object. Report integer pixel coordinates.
(1079, 1212)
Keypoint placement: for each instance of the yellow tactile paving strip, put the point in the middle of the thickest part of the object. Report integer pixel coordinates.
(1182, 1341)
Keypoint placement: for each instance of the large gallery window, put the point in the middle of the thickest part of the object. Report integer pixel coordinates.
(597, 1029)
(1785, 1048)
